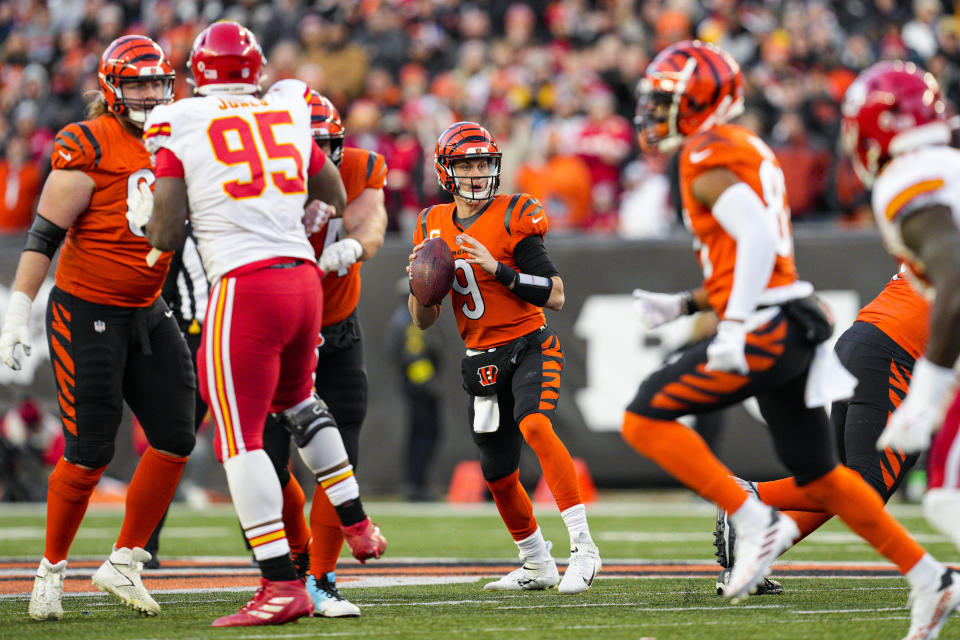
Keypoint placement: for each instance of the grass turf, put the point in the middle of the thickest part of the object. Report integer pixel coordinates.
(669, 608)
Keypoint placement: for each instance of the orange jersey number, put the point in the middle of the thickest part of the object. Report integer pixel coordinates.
(249, 154)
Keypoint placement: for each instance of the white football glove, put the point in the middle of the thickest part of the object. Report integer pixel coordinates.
(340, 255)
(16, 329)
(656, 309)
(316, 214)
(726, 351)
(140, 206)
(920, 415)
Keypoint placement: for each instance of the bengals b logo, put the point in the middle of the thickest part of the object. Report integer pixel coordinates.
(488, 375)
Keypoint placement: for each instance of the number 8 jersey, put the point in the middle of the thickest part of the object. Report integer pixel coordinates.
(244, 161)
(738, 150)
(488, 314)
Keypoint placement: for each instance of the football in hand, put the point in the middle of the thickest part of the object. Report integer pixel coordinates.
(431, 272)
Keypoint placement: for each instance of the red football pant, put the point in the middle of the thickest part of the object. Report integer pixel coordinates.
(258, 351)
(943, 461)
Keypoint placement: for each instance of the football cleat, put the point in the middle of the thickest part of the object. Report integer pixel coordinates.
(756, 551)
(930, 609)
(275, 602)
(46, 601)
(532, 575)
(365, 540)
(120, 575)
(725, 538)
(327, 601)
(583, 567)
(766, 588)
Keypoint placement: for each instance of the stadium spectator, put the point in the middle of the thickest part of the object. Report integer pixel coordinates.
(31, 442)
(20, 182)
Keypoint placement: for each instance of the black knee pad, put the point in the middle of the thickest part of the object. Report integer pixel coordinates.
(306, 422)
(90, 454)
(179, 442)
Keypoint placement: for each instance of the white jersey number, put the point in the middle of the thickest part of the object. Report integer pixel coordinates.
(474, 307)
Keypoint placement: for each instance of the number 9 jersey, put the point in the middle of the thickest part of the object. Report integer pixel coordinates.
(488, 314)
(738, 150)
(244, 160)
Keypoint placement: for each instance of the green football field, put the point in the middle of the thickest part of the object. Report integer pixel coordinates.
(657, 580)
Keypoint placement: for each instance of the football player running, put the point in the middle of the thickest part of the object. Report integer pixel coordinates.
(245, 166)
(341, 377)
(880, 349)
(896, 132)
(504, 278)
(111, 337)
(767, 340)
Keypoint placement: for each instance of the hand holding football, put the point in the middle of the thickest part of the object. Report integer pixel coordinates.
(431, 272)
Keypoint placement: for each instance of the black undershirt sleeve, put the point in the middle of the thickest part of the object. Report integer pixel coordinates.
(531, 257)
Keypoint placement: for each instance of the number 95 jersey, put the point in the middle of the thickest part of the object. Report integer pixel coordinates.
(488, 314)
(738, 150)
(245, 162)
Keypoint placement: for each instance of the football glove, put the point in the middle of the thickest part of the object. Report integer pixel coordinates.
(316, 214)
(140, 206)
(340, 255)
(656, 309)
(920, 415)
(16, 329)
(726, 351)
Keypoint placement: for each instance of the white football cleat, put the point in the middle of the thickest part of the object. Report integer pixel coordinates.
(930, 609)
(327, 601)
(532, 575)
(756, 551)
(120, 575)
(583, 567)
(46, 601)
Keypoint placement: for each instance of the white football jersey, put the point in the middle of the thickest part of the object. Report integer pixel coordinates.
(245, 162)
(920, 178)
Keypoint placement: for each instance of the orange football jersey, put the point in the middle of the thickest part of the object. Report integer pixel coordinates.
(360, 169)
(102, 259)
(488, 314)
(740, 151)
(902, 313)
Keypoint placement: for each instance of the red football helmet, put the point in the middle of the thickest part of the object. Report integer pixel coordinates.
(133, 58)
(891, 107)
(325, 125)
(690, 86)
(465, 141)
(226, 57)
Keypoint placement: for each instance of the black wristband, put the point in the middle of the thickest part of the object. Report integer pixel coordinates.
(689, 306)
(505, 275)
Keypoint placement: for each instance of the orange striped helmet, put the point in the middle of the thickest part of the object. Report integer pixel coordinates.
(325, 125)
(689, 87)
(129, 59)
(466, 141)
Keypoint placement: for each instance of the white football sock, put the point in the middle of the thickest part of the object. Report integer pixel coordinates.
(258, 499)
(534, 547)
(926, 573)
(324, 452)
(340, 485)
(575, 518)
(751, 515)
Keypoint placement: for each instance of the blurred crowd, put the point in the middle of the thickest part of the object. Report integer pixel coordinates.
(552, 79)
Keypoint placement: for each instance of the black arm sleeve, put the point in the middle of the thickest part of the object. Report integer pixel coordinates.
(531, 256)
(44, 237)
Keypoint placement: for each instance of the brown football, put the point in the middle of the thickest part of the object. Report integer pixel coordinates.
(432, 272)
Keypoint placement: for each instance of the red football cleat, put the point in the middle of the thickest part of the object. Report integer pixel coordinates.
(365, 540)
(275, 602)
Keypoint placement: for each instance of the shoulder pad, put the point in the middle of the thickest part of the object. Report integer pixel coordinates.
(76, 147)
(524, 216)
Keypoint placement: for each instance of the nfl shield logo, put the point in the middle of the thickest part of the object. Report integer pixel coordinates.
(99, 326)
